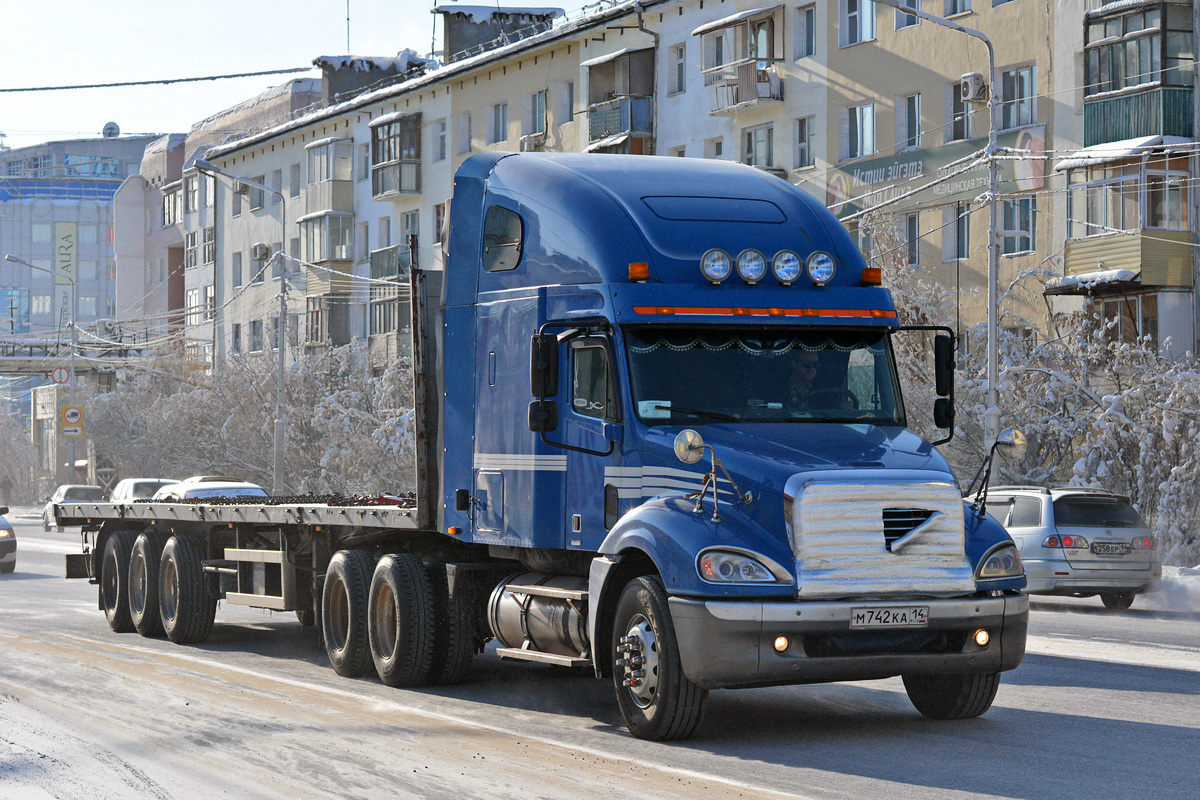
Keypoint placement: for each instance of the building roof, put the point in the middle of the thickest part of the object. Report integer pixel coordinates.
(1109, 152)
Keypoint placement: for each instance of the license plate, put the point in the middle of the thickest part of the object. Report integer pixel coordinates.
(891, 617)
(1110, 548)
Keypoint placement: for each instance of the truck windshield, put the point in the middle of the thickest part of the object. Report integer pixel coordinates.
(755, 375)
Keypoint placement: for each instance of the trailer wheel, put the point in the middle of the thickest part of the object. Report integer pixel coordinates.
(114, 580)
(656, 699)
(952, 696)
(400, 621)
(143, 583)
(454, 631)
(344, 612)
(186, 606)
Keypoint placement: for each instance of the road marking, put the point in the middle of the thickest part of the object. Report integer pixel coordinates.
(451, 718)
(24, 545)
(1141, 655)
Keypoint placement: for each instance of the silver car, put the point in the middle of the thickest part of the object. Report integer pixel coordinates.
(1079, 542)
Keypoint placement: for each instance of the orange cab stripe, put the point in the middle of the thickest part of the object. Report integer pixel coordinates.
(874, 313)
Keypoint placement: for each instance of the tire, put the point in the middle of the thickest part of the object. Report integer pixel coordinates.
(344, 612)
(1117, 601)
(454, 628)
(7, 568)
(143, 583)
(187, 608)
(952, 696)
(400, 621)
(662, 704)
(114, 580)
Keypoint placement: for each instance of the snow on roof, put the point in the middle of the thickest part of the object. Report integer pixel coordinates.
(1111, 8)
(607, 141)
(403, 61)
(1116, 151)
(164, 143)
(294, 85)
(732, 19)
(392, 117)
(592, 62)
(1088, 280)
(485, 13)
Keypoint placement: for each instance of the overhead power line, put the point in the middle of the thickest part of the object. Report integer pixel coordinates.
(155, 82)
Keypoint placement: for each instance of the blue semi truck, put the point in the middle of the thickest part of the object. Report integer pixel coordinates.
(659, 435)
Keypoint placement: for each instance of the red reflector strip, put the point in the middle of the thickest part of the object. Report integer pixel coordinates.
(871, 313)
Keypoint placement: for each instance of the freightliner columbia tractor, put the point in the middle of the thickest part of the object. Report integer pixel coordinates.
(622, 465)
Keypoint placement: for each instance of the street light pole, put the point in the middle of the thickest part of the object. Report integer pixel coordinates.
(280, 432)
(991, 416)
(72, 279)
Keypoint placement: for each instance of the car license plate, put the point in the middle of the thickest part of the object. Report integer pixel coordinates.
(891, 617)
(1110, 548)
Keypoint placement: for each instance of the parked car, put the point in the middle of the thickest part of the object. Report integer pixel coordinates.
(69, 492)
(8, 543)
(130, 489)
(185, 490)
(1079, 542)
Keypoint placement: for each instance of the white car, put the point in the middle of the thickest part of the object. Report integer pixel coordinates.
(69, 493)
(8, 543)
(186, 490)
(130, 489)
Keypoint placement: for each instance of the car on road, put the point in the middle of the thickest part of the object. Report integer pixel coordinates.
(130, 489)
(68, 493)
(8, 543)
(1079, 542)
(209, 487)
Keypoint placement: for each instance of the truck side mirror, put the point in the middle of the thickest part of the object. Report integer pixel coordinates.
(943, 412)
(943, 366)
(543, 416)
(543, 367)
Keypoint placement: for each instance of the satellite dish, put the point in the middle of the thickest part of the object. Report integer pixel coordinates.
(111, 130)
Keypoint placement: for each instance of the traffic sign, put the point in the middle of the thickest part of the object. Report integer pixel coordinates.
(60, 375)
(71, 417)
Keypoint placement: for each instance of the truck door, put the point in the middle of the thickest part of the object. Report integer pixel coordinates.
(590, 425)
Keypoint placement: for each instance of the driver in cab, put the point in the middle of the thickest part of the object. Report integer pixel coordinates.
(809, 388)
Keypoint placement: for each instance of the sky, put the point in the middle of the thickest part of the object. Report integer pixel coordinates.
(68, 42)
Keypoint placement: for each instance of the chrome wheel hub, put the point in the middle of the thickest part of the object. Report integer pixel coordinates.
(637, 657)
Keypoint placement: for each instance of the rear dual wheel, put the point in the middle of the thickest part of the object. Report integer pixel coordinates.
(185, 604)
(144, 562)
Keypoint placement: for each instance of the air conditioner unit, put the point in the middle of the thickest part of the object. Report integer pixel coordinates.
(260, 251)
(532, 142)
(973, 88)
(241, 188)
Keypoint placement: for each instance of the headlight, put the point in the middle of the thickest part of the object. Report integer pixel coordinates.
(821, 267)
(1001, 561)
(786, 266)
(718, 566)
(5, 533)
(715, 265)
(751, 266)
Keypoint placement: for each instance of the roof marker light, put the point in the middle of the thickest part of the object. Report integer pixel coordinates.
(787, 266)
(821, 267)
(639, 271)
(872, 276)
(716, 265)
(751, 266)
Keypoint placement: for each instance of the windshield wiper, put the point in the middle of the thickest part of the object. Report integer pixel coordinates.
(699, 413)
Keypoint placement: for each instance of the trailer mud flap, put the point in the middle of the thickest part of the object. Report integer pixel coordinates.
(79, 565)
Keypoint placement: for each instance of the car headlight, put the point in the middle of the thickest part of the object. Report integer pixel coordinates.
(1002, 561)
(716, 265)
(723, 566)
(5, 533)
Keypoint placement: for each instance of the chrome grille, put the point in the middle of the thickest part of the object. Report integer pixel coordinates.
(898, 522)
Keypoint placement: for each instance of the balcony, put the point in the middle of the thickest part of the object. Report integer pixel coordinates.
(395, 178)
(328, 196)
(743, 84)
(1160, 111)
(1160, 257)
(388, 262)
(628, 116)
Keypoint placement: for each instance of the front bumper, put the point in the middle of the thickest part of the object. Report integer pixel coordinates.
(728, 643)
(8, 549)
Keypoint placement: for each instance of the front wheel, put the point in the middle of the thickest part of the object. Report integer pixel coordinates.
(952, 696)
(657, 701)
(1117, 601)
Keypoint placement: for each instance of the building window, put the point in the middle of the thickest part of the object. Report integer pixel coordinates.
(908, 122)
(537, 112)
(677, 69)
(960, 115)
(439, 140)
(806, 31)
(568, 99)
(383, 232)
(956, 232)
(191, 303)
(957, 7)
(859, 129)
(235, 206)
(209, 254)
(329, 161)
(256, 336)
(1018, 221)
(328, 237)
(235, 270)
(856, 21)
(189, 250)
(210, 301)
(210, 190)
(760, 146)
(714, 148)
(315, 322)
(1127, 49)
(191, 194)
(463, 132)
(439, 221)
(364, 160)
(1111, 198)
(235, 338)
(677, 152)
(171, 202)
(258, 197)
(364, 241)
(499, 123)
(1018, 90)
(276, 184)
(1167, 201)
(410, 226)
(395, 154)
(908, 20)
(294, 180)
(88, 233)
(805, 126)
(1129, 318)
(383, 307)
(912, 239)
